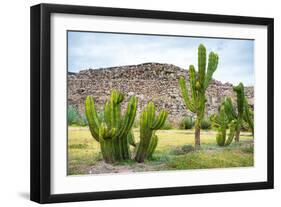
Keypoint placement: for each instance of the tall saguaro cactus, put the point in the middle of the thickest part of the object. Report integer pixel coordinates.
(112, 132)
(148, 124)
(199, 83)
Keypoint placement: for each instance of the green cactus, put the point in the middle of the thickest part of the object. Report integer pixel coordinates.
(112, 132)
(131, 139)
(148, 124)
(248, 115)
(199, 83)
(239, 89)
(243, 112)
(221, 121)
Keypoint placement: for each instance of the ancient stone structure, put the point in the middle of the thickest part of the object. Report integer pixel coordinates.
(148, 81)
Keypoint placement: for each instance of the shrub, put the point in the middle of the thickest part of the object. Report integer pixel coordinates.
(72, 115)
(186, 123)
(83, 120)
(206, 124)
(249, 149)
(183, 150)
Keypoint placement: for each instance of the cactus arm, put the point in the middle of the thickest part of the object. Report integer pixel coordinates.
(127, 124)
(212, 66)
(160, 121)
(152, 146)
(107, 148)
(215, 120)
(131, 139)
(248, 115)
(222, 120)
(92, 117)
(229, 109)
(240, 98)
(201, 64)
(151, 113)
(231, 133)
(129, 116)
(192, 83)
(220, 138)
(107, 113)
(189, 104)
(145, 134)
(115, 108)
(240, 108)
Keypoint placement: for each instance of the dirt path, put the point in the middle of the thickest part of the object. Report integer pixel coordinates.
(101, 167)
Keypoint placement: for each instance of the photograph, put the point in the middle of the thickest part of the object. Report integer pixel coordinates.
(140, 103)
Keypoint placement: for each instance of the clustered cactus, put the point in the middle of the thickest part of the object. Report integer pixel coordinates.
(199, 82)
(221, 122)
(114, 133)
(148, 124)
(232, 118)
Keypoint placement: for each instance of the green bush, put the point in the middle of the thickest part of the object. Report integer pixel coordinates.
(249, 149)
(206, 124)
(72, 115)
(83, 120)
(183, 150)
(186, 123)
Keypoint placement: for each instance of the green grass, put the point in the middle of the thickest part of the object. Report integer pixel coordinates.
(84, 153)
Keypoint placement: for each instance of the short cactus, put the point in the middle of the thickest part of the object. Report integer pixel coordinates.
(148, 124)
(240, 109)
(112, 132)
(248, 116)
(199, 83)
(221, 121)
(238, 114)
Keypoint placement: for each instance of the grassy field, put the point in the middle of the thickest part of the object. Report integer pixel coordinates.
(84, 155)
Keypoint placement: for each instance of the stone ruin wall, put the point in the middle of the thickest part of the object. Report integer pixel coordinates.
(149, 81)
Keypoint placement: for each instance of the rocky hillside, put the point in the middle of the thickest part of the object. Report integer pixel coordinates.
(148, 81)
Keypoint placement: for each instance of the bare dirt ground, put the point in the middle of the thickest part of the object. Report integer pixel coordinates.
(101, 167)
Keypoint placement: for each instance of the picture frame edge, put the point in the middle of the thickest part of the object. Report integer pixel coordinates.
(40, 75)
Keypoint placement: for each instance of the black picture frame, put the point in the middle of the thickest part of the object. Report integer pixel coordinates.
(41, 99)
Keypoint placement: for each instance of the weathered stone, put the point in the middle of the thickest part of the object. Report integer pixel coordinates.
(148, 81)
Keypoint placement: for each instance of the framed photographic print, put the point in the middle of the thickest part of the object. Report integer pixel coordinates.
(133, 103)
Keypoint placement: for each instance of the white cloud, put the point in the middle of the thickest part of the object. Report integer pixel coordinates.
(95, 50)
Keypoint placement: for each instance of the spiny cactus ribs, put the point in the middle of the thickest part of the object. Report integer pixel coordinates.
(222, 121)
(232, 118)
(148, 124)
(112, 131)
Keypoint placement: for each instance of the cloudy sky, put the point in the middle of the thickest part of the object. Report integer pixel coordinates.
(97, 50)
